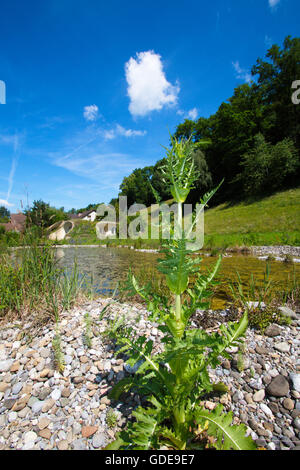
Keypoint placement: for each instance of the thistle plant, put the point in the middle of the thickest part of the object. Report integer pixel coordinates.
(174, 380)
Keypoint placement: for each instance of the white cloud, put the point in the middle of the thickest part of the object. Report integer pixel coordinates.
(89, 155)
(273, 3)
(268, 41)
(191, 114)
(14, 140)
(242, 74)
(3, 202)
(90, 113)
(148, 88)
(110, 134)
(129, 132)
(107, 169)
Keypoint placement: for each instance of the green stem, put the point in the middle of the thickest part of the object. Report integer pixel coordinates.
(178, 296)
(179, 219)
(178, 308)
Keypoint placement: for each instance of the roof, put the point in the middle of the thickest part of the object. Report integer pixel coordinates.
(17, 222)
(85, 213)
(81, 214)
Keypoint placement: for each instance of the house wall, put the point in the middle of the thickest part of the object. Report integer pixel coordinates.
(91, 217)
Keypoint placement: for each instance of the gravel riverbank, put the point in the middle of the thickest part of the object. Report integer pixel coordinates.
(274, 250)
(43, 409)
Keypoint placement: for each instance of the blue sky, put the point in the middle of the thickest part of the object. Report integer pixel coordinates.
(93, 88)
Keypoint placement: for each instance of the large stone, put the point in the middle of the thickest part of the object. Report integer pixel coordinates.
(273, 330)
(282, 347)
(288, 312)
(278, 387)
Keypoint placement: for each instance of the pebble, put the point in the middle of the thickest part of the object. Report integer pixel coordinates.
(99, 440)
(282, 347)
(63, 445)
(30, 436)
(56, 394)
(5, 365)
(259, 396)
(266, 409)
(288, 404)
(295, 378)
(88, 431)
(43, 423)
(278, 387)
(42, 409)
(37, 406)
(273, 330)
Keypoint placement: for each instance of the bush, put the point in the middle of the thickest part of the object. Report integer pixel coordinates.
(267, 168)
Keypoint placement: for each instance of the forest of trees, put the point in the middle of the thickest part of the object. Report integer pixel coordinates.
(252, 140)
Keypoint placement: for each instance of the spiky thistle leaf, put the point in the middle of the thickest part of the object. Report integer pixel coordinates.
(227, 436)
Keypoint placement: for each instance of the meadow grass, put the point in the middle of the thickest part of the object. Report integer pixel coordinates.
(278, 213)
(274, 220)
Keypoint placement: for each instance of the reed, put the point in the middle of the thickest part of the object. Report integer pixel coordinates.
(32, 282)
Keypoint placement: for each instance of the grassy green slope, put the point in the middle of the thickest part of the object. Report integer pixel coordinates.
(272, 220)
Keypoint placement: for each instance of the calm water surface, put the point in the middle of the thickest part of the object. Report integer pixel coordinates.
(107, 266)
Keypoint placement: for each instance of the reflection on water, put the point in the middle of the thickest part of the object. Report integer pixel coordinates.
(106, 266)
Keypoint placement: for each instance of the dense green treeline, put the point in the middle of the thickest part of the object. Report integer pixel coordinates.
(252, 141)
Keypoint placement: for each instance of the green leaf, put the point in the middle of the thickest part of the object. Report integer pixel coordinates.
(116, 445)
(122, 386)
(220, 387)
(220, 426)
